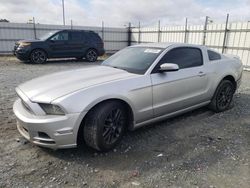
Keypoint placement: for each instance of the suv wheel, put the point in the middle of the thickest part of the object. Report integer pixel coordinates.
(223, 96)
(105, 125)
(38, 56)
(91, 55)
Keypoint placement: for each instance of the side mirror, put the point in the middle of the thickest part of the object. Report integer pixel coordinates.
(51, 40)
(168, 67)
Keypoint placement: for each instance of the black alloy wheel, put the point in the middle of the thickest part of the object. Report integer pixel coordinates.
(38, 56)
(91, 55)
(113, 126)
(105, 125)
(223, 96)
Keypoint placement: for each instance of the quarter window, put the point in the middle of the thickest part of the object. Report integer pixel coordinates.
(93, 37)
(184, 57)
(76, 36)
(212, 56)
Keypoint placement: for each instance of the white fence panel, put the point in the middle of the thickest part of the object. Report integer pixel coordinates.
(237, 37)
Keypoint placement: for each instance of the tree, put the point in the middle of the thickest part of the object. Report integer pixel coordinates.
(4, 20)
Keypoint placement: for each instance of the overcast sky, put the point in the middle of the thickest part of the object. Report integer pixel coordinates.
(120, 12)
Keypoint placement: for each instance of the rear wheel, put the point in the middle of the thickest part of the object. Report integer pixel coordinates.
(38, 56)
(91, 55)
(223, 96)
(105, 125)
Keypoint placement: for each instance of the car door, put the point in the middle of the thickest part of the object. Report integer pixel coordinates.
(76, 43)
(177, 90)
(58, 44)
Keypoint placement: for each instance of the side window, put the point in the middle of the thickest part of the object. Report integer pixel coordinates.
(94, 37)
(213, 55)
(61, 36)
(76, 36)
(184, 57)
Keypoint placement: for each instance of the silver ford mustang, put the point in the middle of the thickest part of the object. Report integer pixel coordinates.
(134, 87)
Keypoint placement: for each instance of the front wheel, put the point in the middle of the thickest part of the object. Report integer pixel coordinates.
(105, 125)
(38, 56)
(91, 55)
(223, 96)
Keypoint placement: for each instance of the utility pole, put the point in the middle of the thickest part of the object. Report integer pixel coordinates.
(186, 32)
(129, 34)
(225, 35)
(205, 30)
(159, 31)
(63, 12)
(103, 31)
(139, 32)
(71, 24)
(34, 27)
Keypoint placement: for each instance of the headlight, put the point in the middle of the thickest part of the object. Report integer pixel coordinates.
(51, 109)
(24, 44)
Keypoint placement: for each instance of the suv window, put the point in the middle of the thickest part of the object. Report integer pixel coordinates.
(61, 36)
(213, 55)
(93, 37)
(76, 36)
(184, 57)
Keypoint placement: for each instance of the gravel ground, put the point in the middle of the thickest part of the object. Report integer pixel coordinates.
(197, 149)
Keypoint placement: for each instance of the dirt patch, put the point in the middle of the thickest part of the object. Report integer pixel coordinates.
(197, 149)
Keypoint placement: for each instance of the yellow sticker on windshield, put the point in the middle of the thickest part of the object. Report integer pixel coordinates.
(155, 51)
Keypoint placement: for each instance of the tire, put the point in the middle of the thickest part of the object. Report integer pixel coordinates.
(91, 55)
(223, 96)
(38, 56)
(105, 125)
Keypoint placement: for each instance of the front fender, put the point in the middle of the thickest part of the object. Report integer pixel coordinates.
(136, 92)
(110, 97)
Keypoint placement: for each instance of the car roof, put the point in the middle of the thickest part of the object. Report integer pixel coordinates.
(165, 45)
(77, 30)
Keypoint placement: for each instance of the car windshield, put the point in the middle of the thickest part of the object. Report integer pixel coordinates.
(134, 59)
(47, 35)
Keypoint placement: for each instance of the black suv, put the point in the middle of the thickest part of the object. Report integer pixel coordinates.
(61, 44)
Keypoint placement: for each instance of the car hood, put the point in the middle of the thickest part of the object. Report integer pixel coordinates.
(50, 87)
(29, 40)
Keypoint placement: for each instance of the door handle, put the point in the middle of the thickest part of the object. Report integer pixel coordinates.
(201, 73)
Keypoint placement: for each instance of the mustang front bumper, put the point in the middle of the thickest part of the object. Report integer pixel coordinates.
(52, 131)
